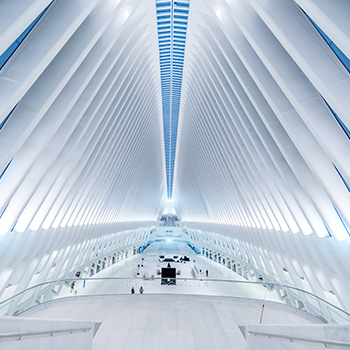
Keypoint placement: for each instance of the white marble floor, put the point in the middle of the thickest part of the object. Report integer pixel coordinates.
(151, 322)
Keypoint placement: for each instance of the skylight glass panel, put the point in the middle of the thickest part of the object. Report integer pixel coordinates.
(172, 17)
(162, 4)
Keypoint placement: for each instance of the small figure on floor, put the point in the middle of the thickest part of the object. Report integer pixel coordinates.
(132, 290)
(141, 290)
(72, 286)
(206, 273)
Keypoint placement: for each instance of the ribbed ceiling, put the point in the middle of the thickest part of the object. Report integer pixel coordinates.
(82, 139)
(263, 129)
(90, 100)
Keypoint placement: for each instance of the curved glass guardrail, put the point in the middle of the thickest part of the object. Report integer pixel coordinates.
(295, 297)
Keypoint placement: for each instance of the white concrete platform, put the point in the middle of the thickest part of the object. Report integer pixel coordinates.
(151, 322)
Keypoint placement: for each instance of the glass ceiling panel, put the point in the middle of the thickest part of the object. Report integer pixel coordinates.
(171, 62)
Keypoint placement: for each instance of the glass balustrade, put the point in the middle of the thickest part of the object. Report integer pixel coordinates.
(291, 296)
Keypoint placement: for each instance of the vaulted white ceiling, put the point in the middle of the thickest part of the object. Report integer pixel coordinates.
(263, 131)
(83, 144)
(262, 138)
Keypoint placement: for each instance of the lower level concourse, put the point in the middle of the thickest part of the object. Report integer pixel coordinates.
(195, 275)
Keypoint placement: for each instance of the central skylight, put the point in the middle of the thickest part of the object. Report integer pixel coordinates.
(172, 19)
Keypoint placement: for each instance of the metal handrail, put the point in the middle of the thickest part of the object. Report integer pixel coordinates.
(179, 278)
(51, 333)
(292, 338)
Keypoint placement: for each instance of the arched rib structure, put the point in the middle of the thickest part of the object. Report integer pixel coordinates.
(81, 136)
(86, 117)
(262, 163)
(260, 145)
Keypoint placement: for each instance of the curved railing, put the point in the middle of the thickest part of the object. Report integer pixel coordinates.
(21, 335)
(292, 296)
(325, 342)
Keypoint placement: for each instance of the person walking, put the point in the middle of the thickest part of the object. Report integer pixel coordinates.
(72, 286)
(141, 290)
(132, 290)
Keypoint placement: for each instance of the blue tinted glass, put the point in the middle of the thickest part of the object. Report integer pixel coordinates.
(171, 41)
(340, 175)
(342, 57)
(13, 47)
(341, 219)
(342, 125)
